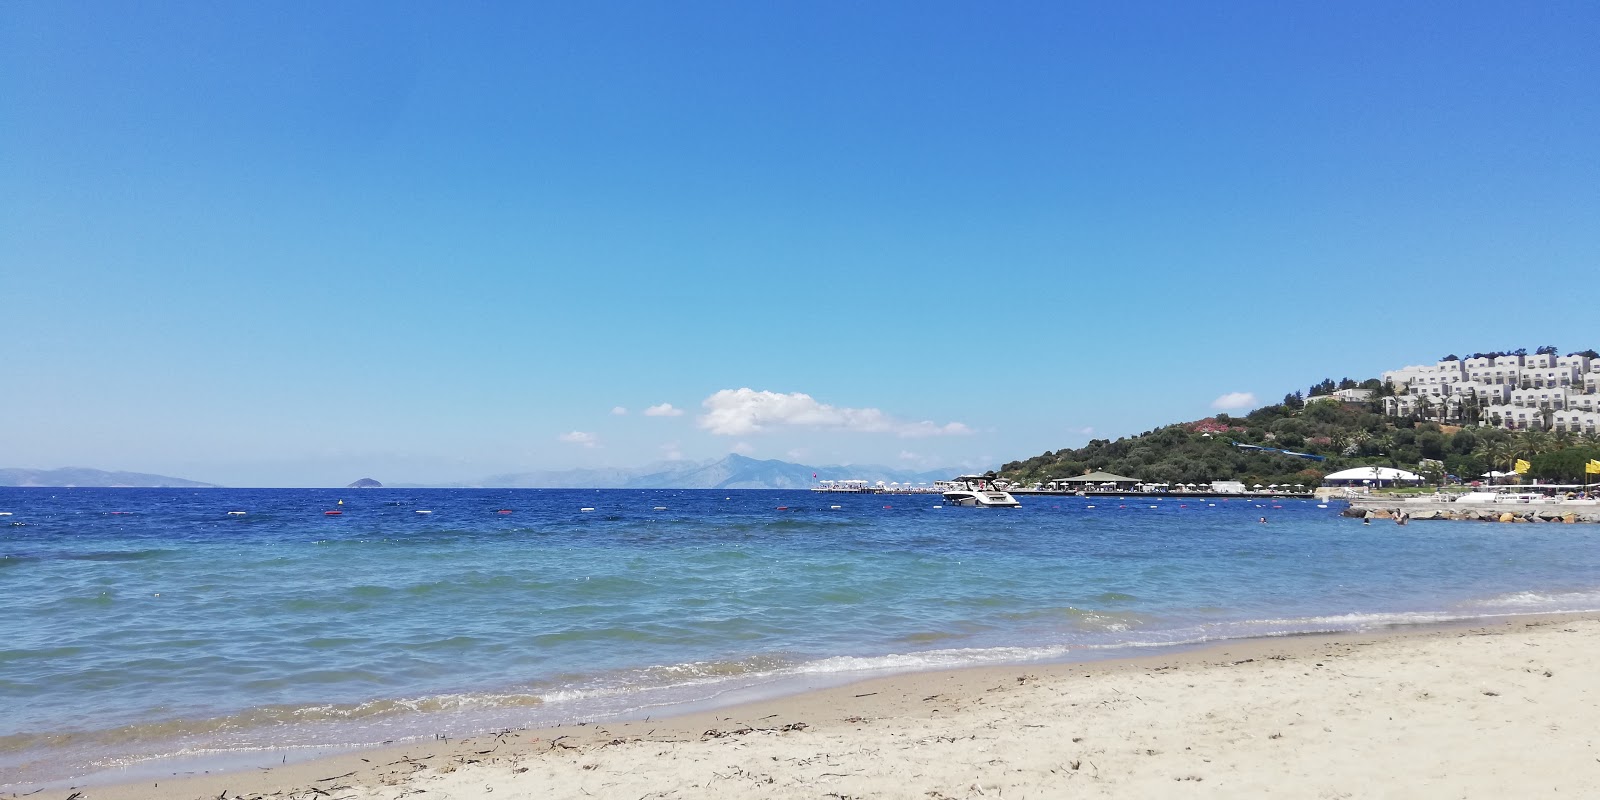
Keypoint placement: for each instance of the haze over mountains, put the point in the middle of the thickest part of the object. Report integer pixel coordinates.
(83, 476)
(731, 472)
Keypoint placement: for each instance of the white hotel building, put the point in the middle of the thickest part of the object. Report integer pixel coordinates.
(1550, 392)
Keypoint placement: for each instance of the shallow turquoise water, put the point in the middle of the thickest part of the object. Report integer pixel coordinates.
(141, 623)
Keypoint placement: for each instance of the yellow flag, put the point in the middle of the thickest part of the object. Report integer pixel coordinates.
(1593, 467)
(1522, 467)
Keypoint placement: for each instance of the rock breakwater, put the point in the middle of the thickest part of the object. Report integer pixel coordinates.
(1437, 511)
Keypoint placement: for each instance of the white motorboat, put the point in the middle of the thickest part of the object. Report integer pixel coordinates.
(978, 491)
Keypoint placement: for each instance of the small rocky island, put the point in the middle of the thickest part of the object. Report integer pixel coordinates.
(365, 483)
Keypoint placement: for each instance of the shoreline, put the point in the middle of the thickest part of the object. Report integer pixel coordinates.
(937, 704)
(1567, 512)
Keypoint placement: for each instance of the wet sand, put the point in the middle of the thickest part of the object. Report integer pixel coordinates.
(1502, 708)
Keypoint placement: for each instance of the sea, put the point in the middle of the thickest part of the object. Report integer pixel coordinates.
(151, 631)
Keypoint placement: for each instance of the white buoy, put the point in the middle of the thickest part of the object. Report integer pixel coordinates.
(423, 511)
(835, 508)
(230, 513)
(585, 509)
(659, 508)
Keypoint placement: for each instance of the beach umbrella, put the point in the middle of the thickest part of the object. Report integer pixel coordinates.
(1258, 486)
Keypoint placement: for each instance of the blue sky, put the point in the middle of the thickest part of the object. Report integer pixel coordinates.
(297, 243)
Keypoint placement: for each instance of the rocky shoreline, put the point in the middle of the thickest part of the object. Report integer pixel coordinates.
(1553, 512)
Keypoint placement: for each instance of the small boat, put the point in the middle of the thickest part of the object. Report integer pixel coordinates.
(977, 491)
(235, 513)
(423, 511)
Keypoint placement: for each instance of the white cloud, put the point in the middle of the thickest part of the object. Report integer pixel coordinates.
(737, 412)
(923, 429)
(797, 454)
(1087, 430)
(579, 437)
(663, 410)
(619, 411)
(1234, 401)
(671, 452)
(742, 448)
(907, 455)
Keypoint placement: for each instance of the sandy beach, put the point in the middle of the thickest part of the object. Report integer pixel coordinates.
(1498, 709)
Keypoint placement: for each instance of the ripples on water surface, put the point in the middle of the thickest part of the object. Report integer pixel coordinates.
(141, 622)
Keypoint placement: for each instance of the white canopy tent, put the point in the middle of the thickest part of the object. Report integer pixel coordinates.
(1375, 476)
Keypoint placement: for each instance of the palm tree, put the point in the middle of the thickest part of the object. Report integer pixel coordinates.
(1339, 440)
(1470, 409)
(1537, 442)
(1359, 441)
(1498, 453)
(1433, 470)
(1521, 446)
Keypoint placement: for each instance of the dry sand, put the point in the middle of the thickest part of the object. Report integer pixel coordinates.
(1500, 710)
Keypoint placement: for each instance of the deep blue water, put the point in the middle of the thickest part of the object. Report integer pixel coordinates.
(143, 622)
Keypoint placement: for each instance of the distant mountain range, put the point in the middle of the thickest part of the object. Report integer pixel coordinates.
(732, 472)
(82, 476)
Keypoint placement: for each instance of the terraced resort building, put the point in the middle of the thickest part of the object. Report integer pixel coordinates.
(1543, 391)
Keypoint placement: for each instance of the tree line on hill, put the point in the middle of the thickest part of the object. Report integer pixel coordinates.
(1547, 350)
(1345, 434)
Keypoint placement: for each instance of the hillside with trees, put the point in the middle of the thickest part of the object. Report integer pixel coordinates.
(1346, 434)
